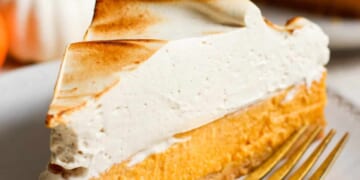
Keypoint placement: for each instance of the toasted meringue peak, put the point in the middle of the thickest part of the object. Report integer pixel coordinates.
(170, 20)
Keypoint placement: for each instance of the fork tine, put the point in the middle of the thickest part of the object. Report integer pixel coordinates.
(326, 165)
(292, 160)
(304, 169)
(276, 157)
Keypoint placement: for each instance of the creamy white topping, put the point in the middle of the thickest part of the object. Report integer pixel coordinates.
(187, 83)
(158, 148)
(290, 95)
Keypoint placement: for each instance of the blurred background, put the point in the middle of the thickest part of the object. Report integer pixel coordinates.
(34, 31)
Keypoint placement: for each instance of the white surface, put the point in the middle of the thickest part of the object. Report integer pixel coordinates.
(345, 76)
(344, 33)
(26, 93)
(24, 98)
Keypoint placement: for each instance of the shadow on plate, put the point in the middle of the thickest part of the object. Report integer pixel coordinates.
(24, 143)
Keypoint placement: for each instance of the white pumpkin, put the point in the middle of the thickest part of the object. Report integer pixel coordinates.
(39, 30)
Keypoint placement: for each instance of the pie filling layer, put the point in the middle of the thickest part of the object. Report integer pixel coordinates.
(230, 146)
(234, 144)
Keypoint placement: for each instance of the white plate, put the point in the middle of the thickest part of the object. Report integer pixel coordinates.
(344, 33)
(24, 98)
(24, 141)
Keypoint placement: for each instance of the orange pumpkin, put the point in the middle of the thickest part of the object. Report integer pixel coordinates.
(3, 40)
(40, 30)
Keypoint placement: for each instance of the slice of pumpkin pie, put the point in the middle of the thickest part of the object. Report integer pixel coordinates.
(183, 89)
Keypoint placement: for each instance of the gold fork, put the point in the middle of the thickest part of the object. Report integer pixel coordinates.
(291, 161)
